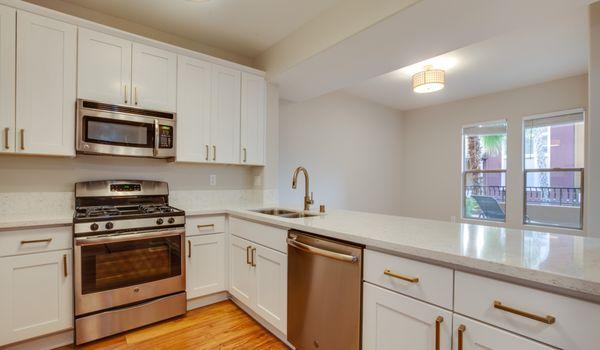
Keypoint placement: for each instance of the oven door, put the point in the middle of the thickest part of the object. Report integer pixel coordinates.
(115, 270)
(102, 132)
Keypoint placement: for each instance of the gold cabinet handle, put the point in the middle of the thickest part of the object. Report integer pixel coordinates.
(248, 255)
(438, 322)
(6, 144)
(410, 279)
(200, 227)
(245, 154)
(22, 139)
(31, 241)
(253, 263)
(125, 93)
(135, 95)
(214, 152)
(65, 267)
(544, 319)
(461, 331)
(189, 248)
(207, 152)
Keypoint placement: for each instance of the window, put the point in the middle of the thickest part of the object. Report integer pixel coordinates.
(553, 154)
(484, 171)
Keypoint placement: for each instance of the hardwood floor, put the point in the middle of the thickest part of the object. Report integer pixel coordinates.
(218, 326)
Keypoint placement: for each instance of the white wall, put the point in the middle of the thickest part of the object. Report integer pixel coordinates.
(351, 148)
(431, 178)
(593, 160)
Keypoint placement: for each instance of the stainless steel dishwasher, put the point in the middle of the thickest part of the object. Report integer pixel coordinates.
(324, 293)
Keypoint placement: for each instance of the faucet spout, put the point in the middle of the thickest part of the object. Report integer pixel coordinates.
(308, 199)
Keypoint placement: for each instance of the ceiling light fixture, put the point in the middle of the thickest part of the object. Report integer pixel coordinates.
(428, 80)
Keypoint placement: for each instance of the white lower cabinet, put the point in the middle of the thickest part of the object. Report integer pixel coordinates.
(473, 335)
(258, 278)
(393, 321)
(36, 295)
(205, 265)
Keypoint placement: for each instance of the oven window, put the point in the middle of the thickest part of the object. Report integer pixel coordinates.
(119, 133)
(122, 264)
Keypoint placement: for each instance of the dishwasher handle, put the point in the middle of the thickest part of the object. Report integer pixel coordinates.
(318, 251)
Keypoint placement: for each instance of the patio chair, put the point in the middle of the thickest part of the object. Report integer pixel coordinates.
(490, 209)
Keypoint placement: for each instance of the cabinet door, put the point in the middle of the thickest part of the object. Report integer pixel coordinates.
(479, 336)
(393, 321)
(241, 272)
(36, 295)
(253, 119)
(46, 68)
(205, 265)
(154, 78)
(271, 286)
(193, 110)
(225, 115)
(7, 78)
(104, 64)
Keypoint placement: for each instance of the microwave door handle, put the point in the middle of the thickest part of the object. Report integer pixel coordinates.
(156, 138)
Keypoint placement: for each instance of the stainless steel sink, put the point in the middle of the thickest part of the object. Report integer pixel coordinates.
(284, 213)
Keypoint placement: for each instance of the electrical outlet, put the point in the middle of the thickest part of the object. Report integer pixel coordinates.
(213, 180)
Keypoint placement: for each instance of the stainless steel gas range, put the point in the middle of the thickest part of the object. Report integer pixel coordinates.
(129, 257)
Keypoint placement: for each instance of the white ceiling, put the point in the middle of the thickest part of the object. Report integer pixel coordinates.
(426, 29)
(553, 50)
(244, 27)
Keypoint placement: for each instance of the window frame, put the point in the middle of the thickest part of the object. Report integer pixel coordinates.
(464, 172)
(525, 170)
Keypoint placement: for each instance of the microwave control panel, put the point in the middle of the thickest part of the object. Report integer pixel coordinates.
(165, 136)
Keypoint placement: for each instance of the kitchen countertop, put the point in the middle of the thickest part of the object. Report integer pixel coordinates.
(557, 262)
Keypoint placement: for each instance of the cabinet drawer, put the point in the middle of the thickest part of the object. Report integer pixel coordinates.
(434, 283)
(35, 240)
(269, 236)
(575, 321)
(202, 225)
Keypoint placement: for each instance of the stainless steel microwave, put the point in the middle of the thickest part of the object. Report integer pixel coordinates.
(121, 130)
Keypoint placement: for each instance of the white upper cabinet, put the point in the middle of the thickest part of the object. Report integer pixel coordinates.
(46, 85)
(104, 67)
(225, 115)
(253, 119)
(193, 110)
(7, 78)
(154, 78)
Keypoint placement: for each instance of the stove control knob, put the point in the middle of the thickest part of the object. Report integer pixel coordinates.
(171, 220)
(109, 225)
(159, 221)
(94, 226)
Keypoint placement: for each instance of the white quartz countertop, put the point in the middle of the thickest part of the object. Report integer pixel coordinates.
(559, 262)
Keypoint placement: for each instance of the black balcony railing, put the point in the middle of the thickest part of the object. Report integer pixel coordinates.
(497, 192)
(563, 196)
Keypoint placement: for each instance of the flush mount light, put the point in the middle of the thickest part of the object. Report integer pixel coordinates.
(428, 80)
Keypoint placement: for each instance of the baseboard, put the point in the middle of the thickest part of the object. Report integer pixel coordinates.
(276, 332)
(46, 342)
(207, 300)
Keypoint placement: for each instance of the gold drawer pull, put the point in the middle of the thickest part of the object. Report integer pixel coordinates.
(207, 153)
(248, 261)
(544, 319)
(200, 227)
(252, 253)
(410, 279)
(461, 331)
(22, 139)
(32, 241)
(438, 322)
(189, 248)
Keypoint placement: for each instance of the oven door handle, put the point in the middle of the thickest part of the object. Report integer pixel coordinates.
(83, 241)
